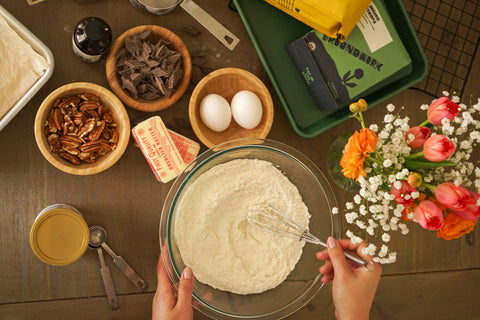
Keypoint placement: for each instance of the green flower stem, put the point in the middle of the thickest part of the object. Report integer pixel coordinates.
(428, 186)
(379, 155)
(359, 117)
(415, 155)
(424, 123)
(361, 120)
(425, 164)
(375, 160)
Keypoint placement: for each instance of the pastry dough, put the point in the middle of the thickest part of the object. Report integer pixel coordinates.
(20, 67)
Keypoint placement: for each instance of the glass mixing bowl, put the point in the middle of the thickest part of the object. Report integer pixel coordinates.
(304, 281)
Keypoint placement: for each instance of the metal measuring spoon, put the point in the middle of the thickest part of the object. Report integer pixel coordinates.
(95, 244)
(101, 237)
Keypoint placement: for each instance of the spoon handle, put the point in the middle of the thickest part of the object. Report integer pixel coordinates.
(107, 281)
(125, 268)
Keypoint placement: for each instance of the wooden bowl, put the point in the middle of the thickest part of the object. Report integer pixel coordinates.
(161, 103)
(227, 82)
(108, 100)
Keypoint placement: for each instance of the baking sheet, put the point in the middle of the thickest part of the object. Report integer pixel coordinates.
(271, 29)
(41, 49)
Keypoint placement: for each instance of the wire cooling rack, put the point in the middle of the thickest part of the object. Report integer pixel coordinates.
(449, 32)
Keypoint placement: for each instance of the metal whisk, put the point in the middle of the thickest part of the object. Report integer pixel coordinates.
(268, 218)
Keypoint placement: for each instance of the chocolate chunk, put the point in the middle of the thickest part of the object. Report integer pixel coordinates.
(143, 35)
(130, 46)
(142, 88)
(122, 53)
(161, 85)
(149, 95)
(125, 73)
(148, 69)
(128, 84)
(136, 78)
(159, 72)
(172, 59)
(152, 63)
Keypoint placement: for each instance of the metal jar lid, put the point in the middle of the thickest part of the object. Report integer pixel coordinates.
(59, 236)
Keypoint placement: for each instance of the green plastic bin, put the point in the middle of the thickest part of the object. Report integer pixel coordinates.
(271, 29)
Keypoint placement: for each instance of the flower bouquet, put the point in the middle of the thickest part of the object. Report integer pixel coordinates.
(405, 174)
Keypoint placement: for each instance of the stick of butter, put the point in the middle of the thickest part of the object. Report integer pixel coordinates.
(188, 148)
(159, 149)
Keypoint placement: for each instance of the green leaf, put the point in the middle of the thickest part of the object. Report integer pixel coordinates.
(419, 164)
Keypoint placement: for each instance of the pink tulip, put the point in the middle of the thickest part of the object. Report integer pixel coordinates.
(404, 192)
(451, 196)
(472, 211)
(438, 148)
(442, 108)
(420, 133)
(429, 215)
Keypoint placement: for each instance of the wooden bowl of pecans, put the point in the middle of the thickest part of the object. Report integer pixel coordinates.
(148, 68)
(82, 128)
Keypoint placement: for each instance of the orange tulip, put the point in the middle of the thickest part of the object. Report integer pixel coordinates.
(455, 226)
(357, 149)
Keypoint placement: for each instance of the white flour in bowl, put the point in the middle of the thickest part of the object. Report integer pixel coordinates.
(215, 238)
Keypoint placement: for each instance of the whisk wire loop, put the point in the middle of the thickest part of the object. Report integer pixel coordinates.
(268, 218)
(269, 213)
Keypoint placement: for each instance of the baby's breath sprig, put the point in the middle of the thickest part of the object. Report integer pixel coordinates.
(376, 210)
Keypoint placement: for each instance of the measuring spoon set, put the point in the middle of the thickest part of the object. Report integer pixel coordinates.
(98, 238)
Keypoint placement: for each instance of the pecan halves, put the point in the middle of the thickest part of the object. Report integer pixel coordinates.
(54, 142)
(97, 146)
(58, 119)
(80, 128)
(70, 141)
(88, 96)
(72, 101)
(97, 131)
(70, 157)
(87, 128)
(89, 105)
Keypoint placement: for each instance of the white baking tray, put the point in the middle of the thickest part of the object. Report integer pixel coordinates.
(38, 46)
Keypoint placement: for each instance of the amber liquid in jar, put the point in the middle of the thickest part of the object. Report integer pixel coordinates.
(92, 38)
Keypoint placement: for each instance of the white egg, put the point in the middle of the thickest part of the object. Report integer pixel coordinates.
(247, 109)
(215, 112)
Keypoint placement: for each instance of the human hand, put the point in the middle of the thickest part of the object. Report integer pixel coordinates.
(165, 305)
(353, 287)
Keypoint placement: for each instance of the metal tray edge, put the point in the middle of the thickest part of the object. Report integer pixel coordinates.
(38, 46)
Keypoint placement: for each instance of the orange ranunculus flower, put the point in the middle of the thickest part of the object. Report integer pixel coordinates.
(455, 226)
(357, 149)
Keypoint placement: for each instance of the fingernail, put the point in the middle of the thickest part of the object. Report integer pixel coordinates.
(331, 242)
(187, 273)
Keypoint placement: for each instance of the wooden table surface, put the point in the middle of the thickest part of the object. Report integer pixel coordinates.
(432, 279)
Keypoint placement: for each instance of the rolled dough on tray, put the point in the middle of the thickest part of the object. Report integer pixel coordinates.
(20, 67)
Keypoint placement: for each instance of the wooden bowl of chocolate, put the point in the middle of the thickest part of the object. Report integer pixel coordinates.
(149, 68)
(82, 128)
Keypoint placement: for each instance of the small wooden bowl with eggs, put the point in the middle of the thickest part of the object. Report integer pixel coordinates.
(229, 104)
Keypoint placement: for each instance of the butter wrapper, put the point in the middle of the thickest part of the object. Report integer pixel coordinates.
(187, 148)
(159, 149)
